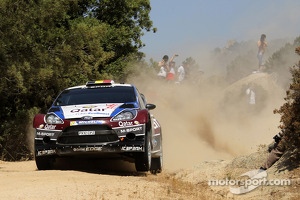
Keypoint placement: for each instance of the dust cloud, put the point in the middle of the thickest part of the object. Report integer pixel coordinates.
(209, 120)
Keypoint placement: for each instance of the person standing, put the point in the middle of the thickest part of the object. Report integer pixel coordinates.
(180, 73)
(262, 45)
(163, 66)
(251, 95)
(171, 72)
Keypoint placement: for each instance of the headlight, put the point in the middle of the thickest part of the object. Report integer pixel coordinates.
(126, 115)
(52, 118)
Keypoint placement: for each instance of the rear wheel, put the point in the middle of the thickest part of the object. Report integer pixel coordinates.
(143, 160)
(44, 163)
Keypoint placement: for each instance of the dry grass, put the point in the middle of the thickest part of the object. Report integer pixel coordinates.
(174, 188)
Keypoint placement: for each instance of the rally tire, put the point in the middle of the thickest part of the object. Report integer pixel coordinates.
(143, 160)
(44, 163)
(156, 165)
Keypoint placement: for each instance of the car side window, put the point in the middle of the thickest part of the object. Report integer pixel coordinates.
(142, 100)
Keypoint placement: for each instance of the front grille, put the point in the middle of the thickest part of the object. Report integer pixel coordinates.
(71, 129)
(103, 134)
(87, 139)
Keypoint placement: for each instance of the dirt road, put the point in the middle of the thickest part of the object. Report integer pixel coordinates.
(196, 132)
(21, 180)
(90, 180)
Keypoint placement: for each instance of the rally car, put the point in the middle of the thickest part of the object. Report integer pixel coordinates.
(99, 119)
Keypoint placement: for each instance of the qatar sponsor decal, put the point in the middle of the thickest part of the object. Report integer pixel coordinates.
(47, 126)
(126, 123)
(76, 123)
(95, 110)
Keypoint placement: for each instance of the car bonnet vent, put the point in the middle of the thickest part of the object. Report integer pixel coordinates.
(127, 105)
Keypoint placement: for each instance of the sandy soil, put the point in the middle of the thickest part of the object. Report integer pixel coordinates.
(91, 180)
(205, 136)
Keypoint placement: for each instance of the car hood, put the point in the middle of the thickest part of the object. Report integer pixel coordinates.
(91, 110)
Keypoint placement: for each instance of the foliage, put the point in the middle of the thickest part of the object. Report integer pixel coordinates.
(237, 68)
(126, 19)
(290, 110)
(46, 46)
(281, 60)
(238, 59)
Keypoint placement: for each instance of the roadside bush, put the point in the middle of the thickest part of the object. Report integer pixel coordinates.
(290, 110)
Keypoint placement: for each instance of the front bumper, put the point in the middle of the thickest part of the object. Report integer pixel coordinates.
(70, 142)
(42, 149)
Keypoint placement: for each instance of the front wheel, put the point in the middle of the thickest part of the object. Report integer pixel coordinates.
(143, 160)
(44, 163)
(156, 164)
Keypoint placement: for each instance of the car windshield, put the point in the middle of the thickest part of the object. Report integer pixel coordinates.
(96, 95)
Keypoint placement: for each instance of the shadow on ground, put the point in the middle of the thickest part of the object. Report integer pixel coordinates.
(98, 166)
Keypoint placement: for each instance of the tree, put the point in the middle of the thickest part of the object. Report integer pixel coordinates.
(290, 110)
(46, 46)
(281, 60)
(127, 19)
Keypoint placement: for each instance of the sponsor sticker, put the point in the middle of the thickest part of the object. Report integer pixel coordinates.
(133, 129)
(87, 149)
(95, 110)
(49, 127)
(77, 123)
(86, 132)
(41, 133)
(124, 124)
(132, 148)
(46, 152)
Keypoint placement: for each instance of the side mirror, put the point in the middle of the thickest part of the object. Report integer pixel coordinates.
(150, 106)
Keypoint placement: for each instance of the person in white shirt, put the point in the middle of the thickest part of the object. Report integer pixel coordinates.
(163, 64)
(251, 96)
(180, 73)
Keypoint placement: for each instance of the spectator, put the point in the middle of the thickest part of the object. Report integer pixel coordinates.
(163, 64)
(276, 151)
(262, 45)
(251, 94)
(181, 73)
(171, 71)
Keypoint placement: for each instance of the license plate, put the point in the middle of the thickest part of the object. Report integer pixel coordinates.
(86, 132)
